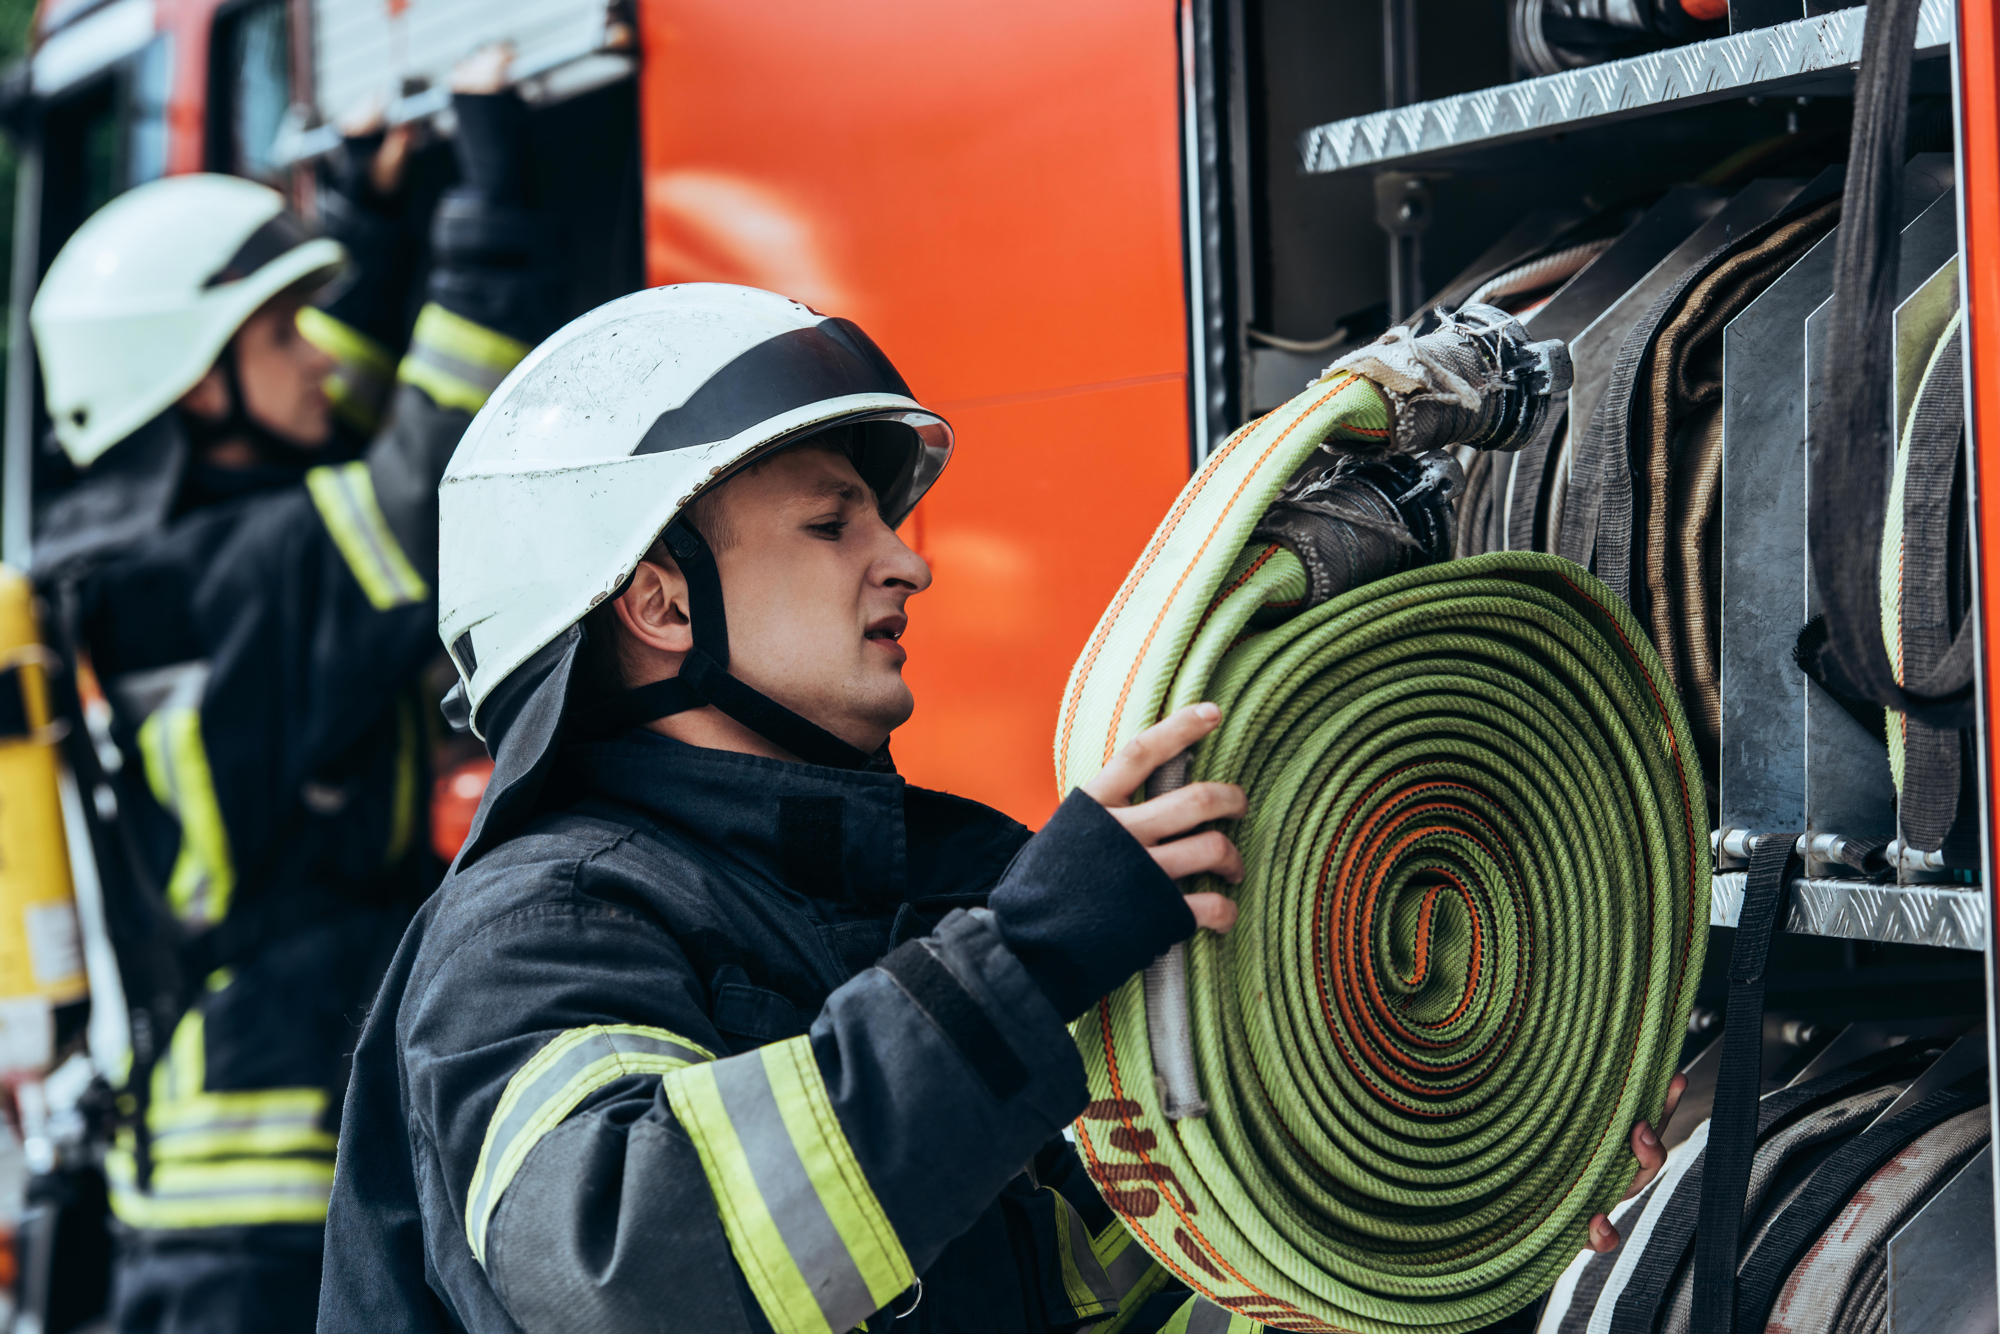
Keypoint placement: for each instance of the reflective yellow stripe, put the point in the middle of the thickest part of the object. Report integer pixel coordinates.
(801, 1218)
(1084, 1281)
(344, 495)
(364, 373)
(403, 797)
(553, 1083)
(458, 363)
(260, 1123)
(230, 1159)
(177, 771)
(1198, 1315)
(235, 1193)
(1135, 1275)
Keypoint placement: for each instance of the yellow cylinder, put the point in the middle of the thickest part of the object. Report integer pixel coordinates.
(41, 953)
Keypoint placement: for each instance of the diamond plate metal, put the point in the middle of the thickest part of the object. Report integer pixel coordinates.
(1945, 915)
(1689, 75)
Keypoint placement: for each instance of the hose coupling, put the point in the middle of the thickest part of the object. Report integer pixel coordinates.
(1467, 377)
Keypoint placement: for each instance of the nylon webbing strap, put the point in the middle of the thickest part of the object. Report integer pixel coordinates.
(1638, 1305)
(1474, 912)
(704, 677)
(1831, 1187)
(1732, 1132)
(1924, 536)
(1851, 444)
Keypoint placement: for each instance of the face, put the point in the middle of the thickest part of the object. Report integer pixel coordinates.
(283, 377)
(815, 584)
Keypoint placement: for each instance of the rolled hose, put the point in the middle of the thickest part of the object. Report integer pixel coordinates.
(1471, 926)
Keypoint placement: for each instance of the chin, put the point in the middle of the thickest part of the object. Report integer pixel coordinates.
(893, 711)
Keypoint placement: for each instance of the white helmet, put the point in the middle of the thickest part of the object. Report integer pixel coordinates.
(595, 443)
(142, 300)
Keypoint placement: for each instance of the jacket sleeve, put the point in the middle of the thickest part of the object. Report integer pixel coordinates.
(363, 323)
(491, 296)
(606, 1161)
(320, 606)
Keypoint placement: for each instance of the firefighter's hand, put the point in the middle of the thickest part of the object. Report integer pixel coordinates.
(1162, 825)
(484, 71)
(1652, 1156)
(384, 162)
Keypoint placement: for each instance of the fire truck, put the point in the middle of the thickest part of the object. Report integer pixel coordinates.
(1099, 238)
(994, 194)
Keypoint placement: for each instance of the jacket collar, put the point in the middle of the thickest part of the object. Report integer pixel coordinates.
(868, 840)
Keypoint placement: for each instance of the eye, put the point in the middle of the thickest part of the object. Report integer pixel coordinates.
(831, 529)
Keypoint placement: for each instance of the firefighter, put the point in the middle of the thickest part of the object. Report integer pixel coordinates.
(254, 593)
(719, 1024)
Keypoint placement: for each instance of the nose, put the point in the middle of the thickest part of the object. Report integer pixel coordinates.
(899, 566)
(318, 363)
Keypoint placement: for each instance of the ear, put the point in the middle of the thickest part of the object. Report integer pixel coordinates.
(209, 397)
(654, 610)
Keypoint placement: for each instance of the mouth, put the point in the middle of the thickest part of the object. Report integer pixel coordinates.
(889, 629)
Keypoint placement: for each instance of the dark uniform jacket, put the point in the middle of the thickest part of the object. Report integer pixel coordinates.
(258, 635)
(721, 1043)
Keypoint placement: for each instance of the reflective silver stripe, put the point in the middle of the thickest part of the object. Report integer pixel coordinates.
(344, 495)
(548, 1088)
(1128, 1267)
(796, 1208)
(486, 378)
(1206, 1317)
(1082, 1261)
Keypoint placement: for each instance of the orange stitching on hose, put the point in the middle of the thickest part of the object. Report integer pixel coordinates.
(1102, 633)
(1139, 658)
(1118, 1092)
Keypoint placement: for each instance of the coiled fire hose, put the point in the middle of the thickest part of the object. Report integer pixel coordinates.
(1475, 904)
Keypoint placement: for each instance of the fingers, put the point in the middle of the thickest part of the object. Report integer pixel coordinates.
(1177, 812)
(1212, 912)
(1208, 852)
(1646, 1144)
(363, 118)
(484, 71)
(385, 173)
(1652, 1156)
(1136, 759)
(1675, 1087)
(1603, 1236)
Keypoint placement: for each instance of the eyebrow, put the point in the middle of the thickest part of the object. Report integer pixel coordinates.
(836, 487)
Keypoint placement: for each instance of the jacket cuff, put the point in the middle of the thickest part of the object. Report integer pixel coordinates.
(1084, 906)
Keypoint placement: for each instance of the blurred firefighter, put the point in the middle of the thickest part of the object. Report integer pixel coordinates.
(250, 578)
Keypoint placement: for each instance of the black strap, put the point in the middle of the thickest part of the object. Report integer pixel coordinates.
(1852, 439)
(1732, 1127)
(944, 1000)
(145, 935)
(1807, 1218)
(705, 680)
(1674, 1224)
(1935, 800)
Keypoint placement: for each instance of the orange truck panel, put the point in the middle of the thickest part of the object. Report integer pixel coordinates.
(993, 192)
(1979, 176)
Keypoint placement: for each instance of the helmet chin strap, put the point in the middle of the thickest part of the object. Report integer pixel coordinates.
(237, 423)
(705, 680)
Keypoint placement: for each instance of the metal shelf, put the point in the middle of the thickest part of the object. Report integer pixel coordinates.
(1950, 916)
(1806, 56)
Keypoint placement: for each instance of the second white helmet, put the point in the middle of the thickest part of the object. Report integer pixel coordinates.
(144, 297)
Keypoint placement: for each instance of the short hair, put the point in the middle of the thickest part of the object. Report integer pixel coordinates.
(599, 673)
(705, 514)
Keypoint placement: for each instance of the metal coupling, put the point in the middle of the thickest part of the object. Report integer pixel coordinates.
(1466, 377)
(1906, 858)
(1362, 519)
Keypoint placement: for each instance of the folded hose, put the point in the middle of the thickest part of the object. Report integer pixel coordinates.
(1473, 917)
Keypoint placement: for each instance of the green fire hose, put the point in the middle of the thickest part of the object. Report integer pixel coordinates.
(1472, 922)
